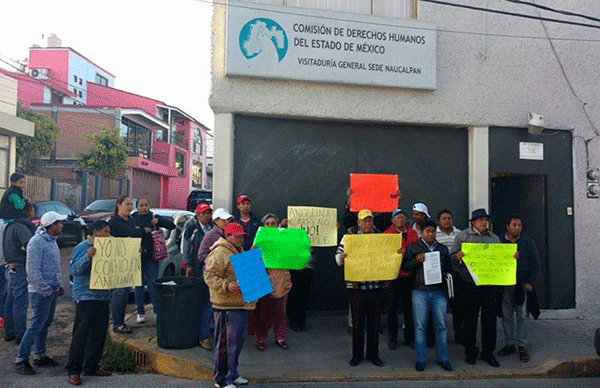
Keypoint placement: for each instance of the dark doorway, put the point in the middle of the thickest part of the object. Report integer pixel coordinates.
(524, 195)
(542, 191)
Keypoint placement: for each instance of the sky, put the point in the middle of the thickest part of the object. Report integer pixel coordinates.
(156, 48)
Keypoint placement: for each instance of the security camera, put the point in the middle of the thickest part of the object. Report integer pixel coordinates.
(535, 126)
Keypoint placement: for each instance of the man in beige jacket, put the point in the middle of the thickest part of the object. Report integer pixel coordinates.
(230, 310)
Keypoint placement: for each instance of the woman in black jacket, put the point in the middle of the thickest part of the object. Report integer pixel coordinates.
(147, 221)
(121, 225)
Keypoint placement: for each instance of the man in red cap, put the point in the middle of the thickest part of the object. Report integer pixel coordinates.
(194, 231)
(230, 310)
(249, 221)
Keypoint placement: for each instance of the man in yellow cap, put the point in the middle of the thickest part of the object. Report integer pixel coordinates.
(365, 301)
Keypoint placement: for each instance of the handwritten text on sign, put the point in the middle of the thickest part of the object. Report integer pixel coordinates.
(251, 275)
(492, 264)
(319, 223)
(372, 257)
(116, 264)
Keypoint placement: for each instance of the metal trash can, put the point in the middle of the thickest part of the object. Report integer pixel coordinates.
(179, 305)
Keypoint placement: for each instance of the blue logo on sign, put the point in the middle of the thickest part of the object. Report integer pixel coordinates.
(265, 37)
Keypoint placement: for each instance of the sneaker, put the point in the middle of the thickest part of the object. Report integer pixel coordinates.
(141, 318)
(419, 366)
(507, 351)
(24, 368)
(206, 344)
(217, 385)
(241, 381)
(45, 361)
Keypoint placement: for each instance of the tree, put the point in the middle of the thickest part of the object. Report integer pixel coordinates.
(109, 153)
(41, 144)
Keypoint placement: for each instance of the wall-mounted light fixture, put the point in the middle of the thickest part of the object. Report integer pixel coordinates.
(593, 186)
(535, 125)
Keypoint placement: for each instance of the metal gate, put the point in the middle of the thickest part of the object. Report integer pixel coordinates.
(146, 185)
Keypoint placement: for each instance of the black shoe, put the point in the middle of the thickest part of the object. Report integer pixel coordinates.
(9, 338)
(303, 327)
(24, 368)
(430, 345)
(472, 354)
(446, 365)
(490, 359)
(376, 361)
(471, 360)
(392, 345)
(355, 361)
(507, 351)
(350, 330)
(45, 361)
(420, 367)
(410, 344)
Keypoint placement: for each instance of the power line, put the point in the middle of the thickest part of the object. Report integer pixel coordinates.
(511, 13)
(546, 8)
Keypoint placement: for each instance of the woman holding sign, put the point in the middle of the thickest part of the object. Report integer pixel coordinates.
(121, 225)
(271, 308)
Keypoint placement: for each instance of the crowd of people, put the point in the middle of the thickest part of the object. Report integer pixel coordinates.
(210, 238)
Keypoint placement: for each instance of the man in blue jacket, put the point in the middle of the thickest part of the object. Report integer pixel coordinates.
(92, 309)
(43, 274)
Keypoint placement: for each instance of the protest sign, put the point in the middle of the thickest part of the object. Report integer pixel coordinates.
(491, 264)
(319, 222)
(251, 275)
(376, 192)
(372, 257)
(283, 249)
(116, 264)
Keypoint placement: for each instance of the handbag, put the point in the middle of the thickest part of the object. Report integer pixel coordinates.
(159, 245)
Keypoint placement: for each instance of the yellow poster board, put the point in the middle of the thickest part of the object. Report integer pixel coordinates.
(116, 264)
(320, 224)
(372, 257)
(491, 264)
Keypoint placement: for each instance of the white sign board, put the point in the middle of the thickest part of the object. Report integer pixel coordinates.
(531, 151)
(314, 45)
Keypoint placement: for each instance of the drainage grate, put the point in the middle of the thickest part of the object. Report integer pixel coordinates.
(141, 359)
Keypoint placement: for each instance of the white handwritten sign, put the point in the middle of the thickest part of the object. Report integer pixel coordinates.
(319, 223)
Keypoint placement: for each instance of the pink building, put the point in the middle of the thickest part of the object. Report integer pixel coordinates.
(168, 146)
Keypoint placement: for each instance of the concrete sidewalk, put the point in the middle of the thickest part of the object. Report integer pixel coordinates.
(559, 348)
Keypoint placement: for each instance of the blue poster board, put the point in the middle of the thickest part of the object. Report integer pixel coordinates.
(251, 275)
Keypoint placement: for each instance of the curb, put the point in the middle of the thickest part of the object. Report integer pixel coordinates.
(172, 363)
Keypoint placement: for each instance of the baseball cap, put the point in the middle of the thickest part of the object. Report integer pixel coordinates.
(201, 208)
(221, 213)
(364, 213)
(51, 217)
(397, 211)
(420, 207)
(235, 229)
(243, 198)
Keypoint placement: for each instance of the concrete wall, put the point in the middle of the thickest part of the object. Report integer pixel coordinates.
(486, 77)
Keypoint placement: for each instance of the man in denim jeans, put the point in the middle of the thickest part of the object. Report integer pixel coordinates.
(429, 296)
(43, 274)
(17, 235)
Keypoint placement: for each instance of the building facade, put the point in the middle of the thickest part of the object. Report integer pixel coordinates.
(11, 127)
(168, 146)
(441, 98)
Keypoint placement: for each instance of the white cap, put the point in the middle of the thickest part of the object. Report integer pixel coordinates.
(420, 207)
(51, 217)
(221, 213)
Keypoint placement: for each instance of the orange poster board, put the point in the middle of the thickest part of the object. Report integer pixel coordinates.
(376, 192)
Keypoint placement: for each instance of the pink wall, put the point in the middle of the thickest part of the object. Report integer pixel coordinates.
(29, 91)
(57, 61)
(98, 95)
